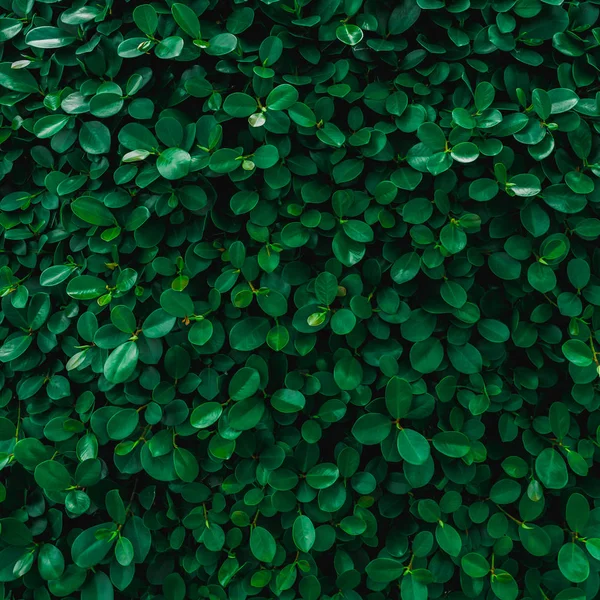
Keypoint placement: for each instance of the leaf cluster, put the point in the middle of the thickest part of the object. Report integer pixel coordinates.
(298, 299)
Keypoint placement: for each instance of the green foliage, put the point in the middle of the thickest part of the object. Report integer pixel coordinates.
(298, 299)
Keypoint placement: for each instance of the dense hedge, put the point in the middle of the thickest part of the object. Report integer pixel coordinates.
(299, 299)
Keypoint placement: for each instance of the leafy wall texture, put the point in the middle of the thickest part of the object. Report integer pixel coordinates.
(299, 299)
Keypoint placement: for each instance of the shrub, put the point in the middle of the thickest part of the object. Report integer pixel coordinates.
(299, 299)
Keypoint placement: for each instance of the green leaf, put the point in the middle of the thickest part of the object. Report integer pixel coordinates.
(504, 586)
(249, 334)
(578, 512)
(452, 443)
(186, 465)
(270, 50)
(302, 115)
(593, 546)
(50, 562)
(121, 362)
(483, 189)
(282, 97)
(176, 304)
(413, 447)
(52, 476)
(201, 332)
(49, 37)
(139, 536)
(50, 125)
(465, 152)
(17, 80)
(475, 565)
(322, 476)
(405, 268)
(115, 506)
(288, 401)
(353, 525)
(95, 138)
(92, 211)
(224, 160)
(221, 44)
(427, 355)
(9, 28)
(348, 373)
(562, 100)
(403, 17)
(551, 469)
(465, 359)
(303, 533)
(542, 103)
(453, 294)
(535, 540)
(14, 347)
(560, 420)
(349, 34)
(170, 47)
(348, 170)
(135, 136)
(244, 383)
(384, 570)
(173, 163)
(541, 277)
(484, 95)
(55, 275)
(262, 544)
(432, 136)
(398, 397)
(266, 156)
(186, 18)
(246, 414)
(158, 324)
(98, 588)
(326, 288)
(448, 539)
(371, 428)
(573, 563)
(145, 18)
(92, 545)
(205, 415)
(239, 105)
(86, 287)
(122, 424)
(562, 199)
(123, 319)
(578, 353)
(453, 238)
(525, 185)
(493, 330)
